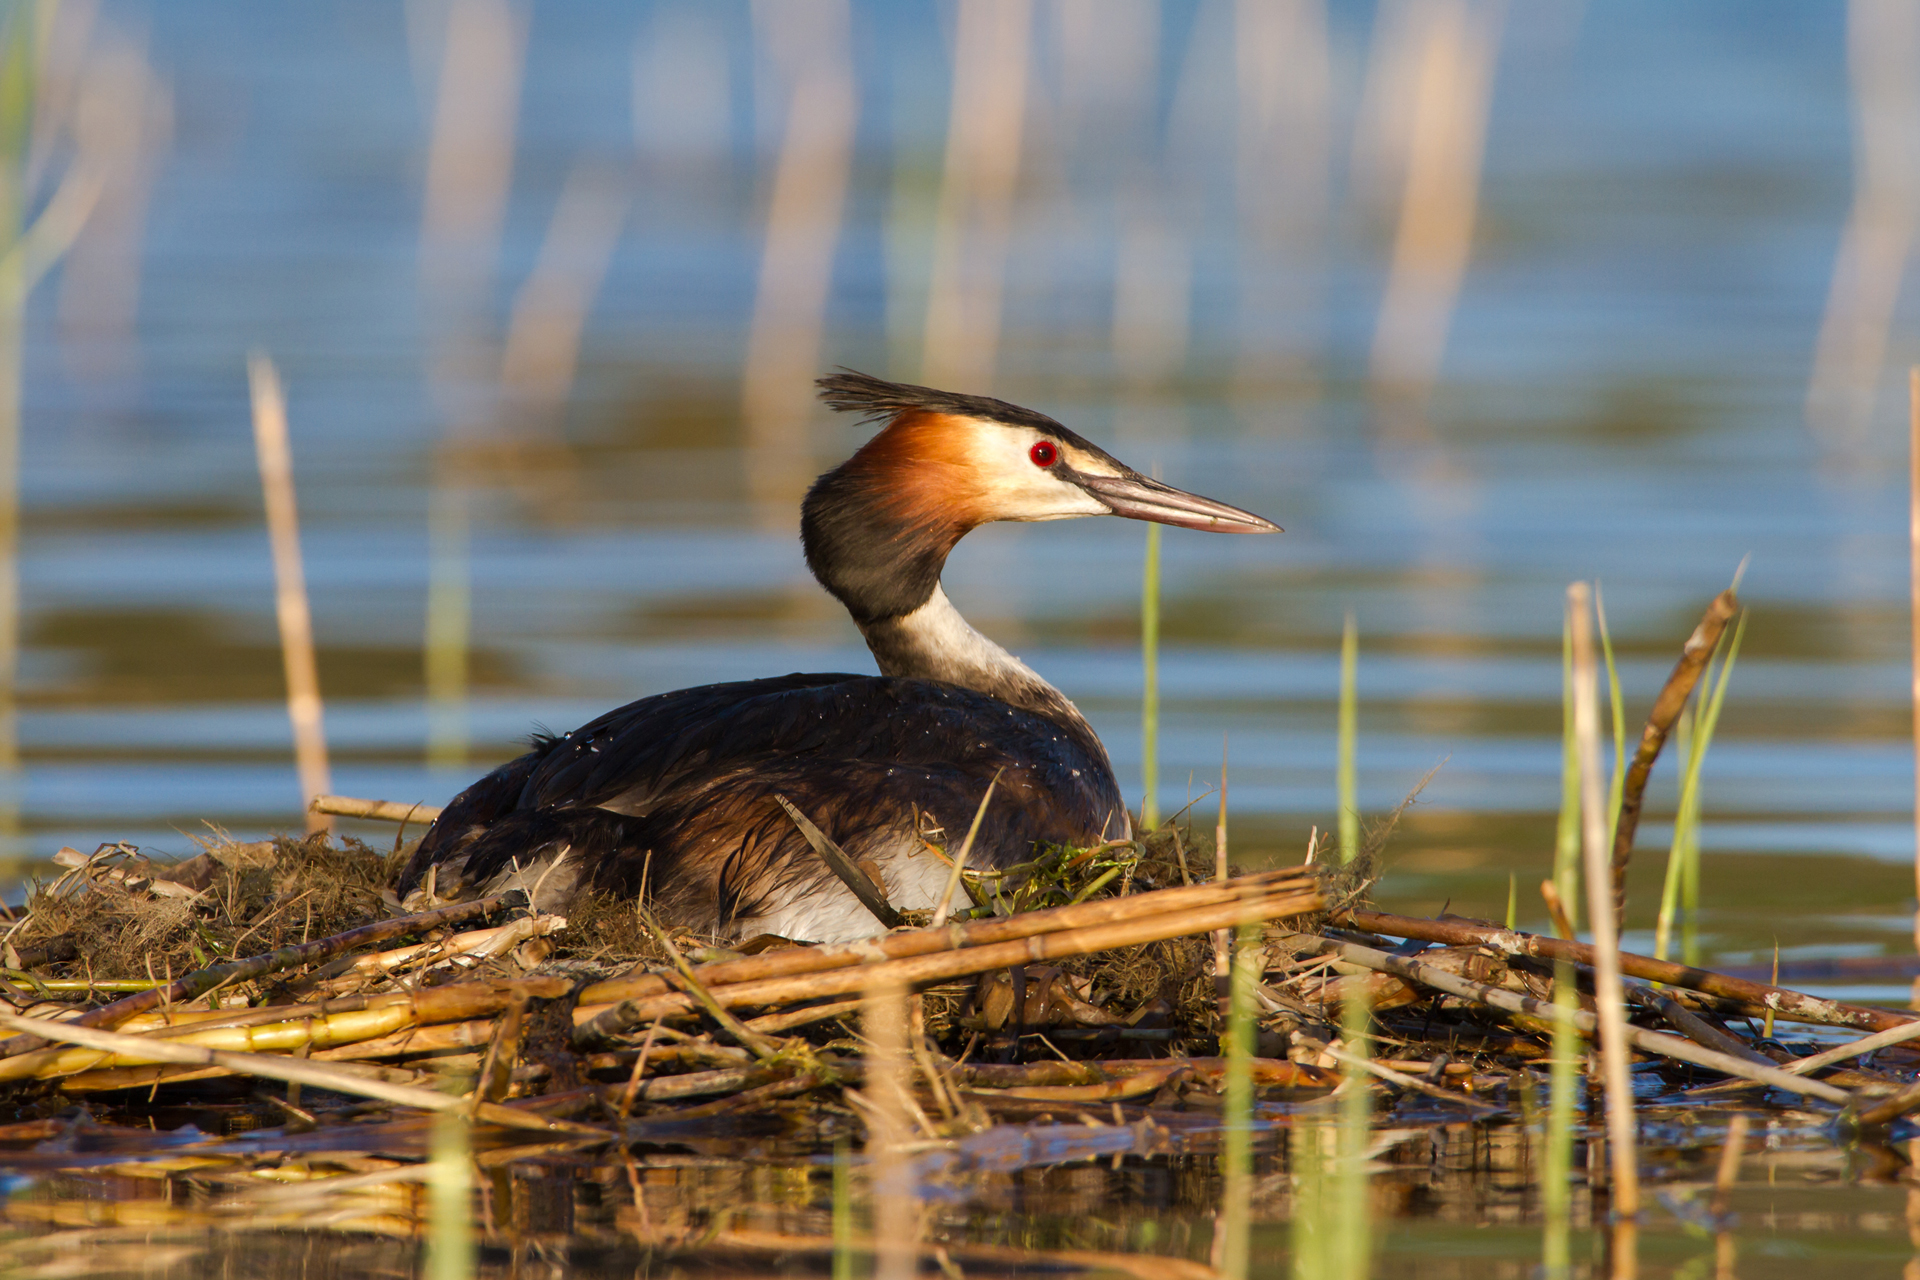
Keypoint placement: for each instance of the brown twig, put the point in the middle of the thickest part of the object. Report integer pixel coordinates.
(1666, 710)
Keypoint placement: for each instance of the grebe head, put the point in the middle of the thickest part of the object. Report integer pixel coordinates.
(877, 529)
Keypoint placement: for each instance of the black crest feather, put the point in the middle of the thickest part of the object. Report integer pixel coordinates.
(876, 399)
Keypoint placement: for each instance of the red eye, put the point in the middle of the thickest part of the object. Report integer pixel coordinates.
(1044, 454)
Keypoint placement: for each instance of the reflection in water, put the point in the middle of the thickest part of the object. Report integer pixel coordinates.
(1452, 1201)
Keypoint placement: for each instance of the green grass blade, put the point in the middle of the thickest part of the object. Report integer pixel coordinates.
(1566, 840)
(1617, 790)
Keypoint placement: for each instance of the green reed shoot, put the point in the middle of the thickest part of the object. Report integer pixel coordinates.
(1150, 675)
(1566, 839)
(1513, 900)
(450, 1246)
(1236, 1192)
(1681, 893)
(1617, 790)
(1347, 782)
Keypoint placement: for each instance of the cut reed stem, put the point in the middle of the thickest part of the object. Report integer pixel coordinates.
(290, 586)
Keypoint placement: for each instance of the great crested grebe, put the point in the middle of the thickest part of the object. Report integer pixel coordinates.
(674, 795)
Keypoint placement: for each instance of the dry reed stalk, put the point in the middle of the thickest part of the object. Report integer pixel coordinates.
(775, 1023)
(1445, 134)
(1694, 656)
(374, 810)
(113, 1079)
(1702, 1032)
(1789, 1005)
(1397, 1078)
(961, 963)
(1876, 244)
(792, 961)
(810, 37)
(888, 1114)
(1647, 1041)
(293, 1071)
(290, 585)
(469, 174)
(282, 1037)
(1864, 1045)
(991, 43)
(200, 982)
(1913, 590)
(1609, 996)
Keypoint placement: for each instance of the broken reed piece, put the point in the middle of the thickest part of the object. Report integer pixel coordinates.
(617, 1018)
(202, 981)
(374, 810)
(841, 865)
(294, 1071)
(1646, 1041)
(1666, 710)
(1786, 1004)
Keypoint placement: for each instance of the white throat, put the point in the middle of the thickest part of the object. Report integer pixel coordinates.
(935, 643)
